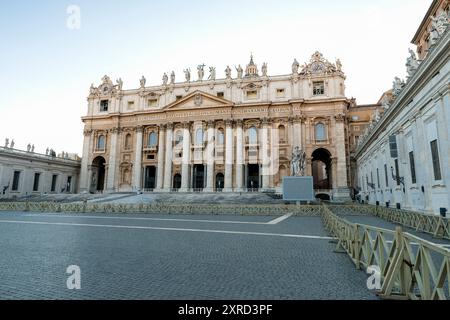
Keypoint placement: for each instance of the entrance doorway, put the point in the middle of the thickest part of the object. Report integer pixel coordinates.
(150, 178)
(177, 181)
(199, 176)
(321, 169)
(252, 177)
(220, 180)
(98, 175)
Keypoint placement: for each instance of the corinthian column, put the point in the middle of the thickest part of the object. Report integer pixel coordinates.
(186, 157)
(229, 157)
(161, 151)
(138, 160)
(239, 156)
(264, 154)
(169, 155)
(343, 191)
(112, 161)
(85, 173)
(210, 155)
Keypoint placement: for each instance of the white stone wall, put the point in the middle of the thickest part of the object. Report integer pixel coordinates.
(421, 115)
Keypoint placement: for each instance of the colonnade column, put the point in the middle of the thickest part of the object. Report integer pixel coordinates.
(138, 159)
(229, 157)
(169, 155)
(210, 155)
(112, 161)
(239, 156)
(343, 192)
(297, 141)
(161, 152)
(186, 157)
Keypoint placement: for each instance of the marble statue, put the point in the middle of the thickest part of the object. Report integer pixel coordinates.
(295, 66)
(201, 71)
(47, 152)
(119, 84)
(264, 69)
(411, 64)
(92, 89)
(240, 72)
(172, 77)
(143, 81)
(28, 147)
(298, 162)
(212, 73)
(338, 65)
(187, 74)
(6, 143)
(12, 144)
(377, 115)
(32, 148)
(165, 79)
(440, 22)
(228, 72)
(397, 86)
(385, 103)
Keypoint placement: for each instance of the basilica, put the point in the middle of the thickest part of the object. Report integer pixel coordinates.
(231, 134)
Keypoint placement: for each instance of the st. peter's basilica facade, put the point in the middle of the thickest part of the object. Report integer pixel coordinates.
(235, 134)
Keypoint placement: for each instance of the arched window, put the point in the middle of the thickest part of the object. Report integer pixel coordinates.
(199, 137)
(282, 133)
(101, 143)
(220, 137)
(128, 142)
(152, 140)
(252, 135)
(320, 132)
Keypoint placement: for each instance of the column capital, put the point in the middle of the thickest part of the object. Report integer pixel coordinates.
(139, 129)
(211, 124)
(239, 123)
(266, 121)
(162, 127)
(186, 125)
(229, 122)
(87, 132)
(115, 130)
(169, 126)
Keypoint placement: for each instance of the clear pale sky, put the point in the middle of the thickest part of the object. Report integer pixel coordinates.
(46, 69)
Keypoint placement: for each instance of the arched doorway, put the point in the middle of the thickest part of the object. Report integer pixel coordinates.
(321, 169)
(98, 175)
(220, 181)
(177, 181)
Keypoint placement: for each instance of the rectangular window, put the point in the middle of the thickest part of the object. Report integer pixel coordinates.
(220, 94)
(386, 177)
(253, 94)
(412, 166)
(130, 105)
(16, 178)
(397, 175)
(54, 179)
(318, 88)
(36, 181)
(104, 104)
(435, 159)
(356, 128)
(152, 103)
(179, 98)
(280, 93)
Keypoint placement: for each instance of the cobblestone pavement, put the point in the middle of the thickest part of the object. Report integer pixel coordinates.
(173, 257)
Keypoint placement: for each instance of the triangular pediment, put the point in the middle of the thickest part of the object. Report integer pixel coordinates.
(198, 99)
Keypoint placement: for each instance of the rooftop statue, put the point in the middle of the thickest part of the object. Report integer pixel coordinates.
(228, 72)
(172, 77)
(187, 74)
(411, 63)
(201, 71)
(119, 84)
(295, 66)
(240, 72)
(165, 79)
(397, 86)
(143, 81)
(264, 69)
(212, 73)
(6, 143)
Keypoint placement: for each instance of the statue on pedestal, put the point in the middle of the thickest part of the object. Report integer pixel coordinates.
(411, 63)
(172, 78)
(264, 69)
(295, 66)
(298, 162)
(6, 143)
(12, 144)
(187, 74)
(228, 72)
(240, 72)
(165, 79)
(119, 84)
(143, 81)
(201, 72)
(212, 73)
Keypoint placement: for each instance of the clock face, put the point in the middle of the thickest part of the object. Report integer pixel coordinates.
(317, 67)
